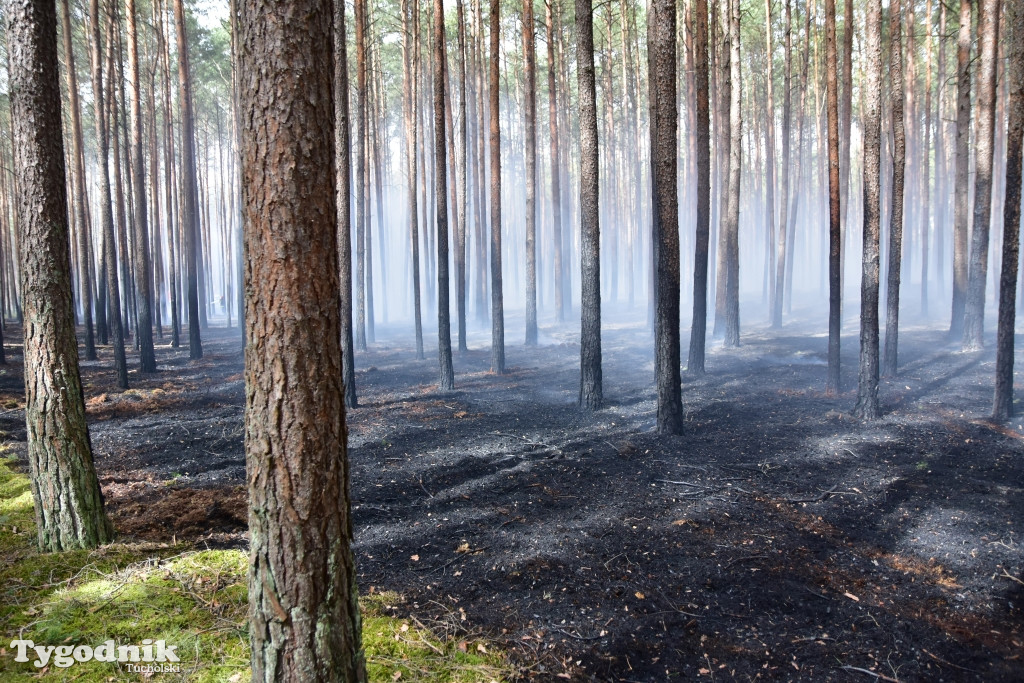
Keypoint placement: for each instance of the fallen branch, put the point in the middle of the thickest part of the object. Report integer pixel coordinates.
(940, 660)
(880, 677)
(1008, 575)
(817, 499)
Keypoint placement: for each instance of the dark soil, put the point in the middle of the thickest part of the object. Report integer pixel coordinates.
(778, 538)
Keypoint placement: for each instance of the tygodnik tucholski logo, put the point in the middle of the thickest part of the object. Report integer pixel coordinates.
(152, 656)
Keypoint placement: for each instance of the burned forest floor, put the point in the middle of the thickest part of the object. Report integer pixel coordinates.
(777, 538)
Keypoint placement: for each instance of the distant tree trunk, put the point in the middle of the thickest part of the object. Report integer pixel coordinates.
(444, 331)
(66, 493)
(732, 245)
(343, 163)
(974, 312)
(409, 94)
(924, 189)
(189, 188)
(556, 169)
(163, 51)
(143, 278)
(303, 609)
(896, 87)
(1003, 404)
(482, 308)
(770, 150)
(78, 176)
(360, 194)
(530, 57)
(461, 181)
(835, 293)
(963, 134)
(661, 50)
(867, 384)
(106, 207)
(787, 113)
(698, 326)
(723, 134)
(591, 391)
(497, 304)
(846, 117)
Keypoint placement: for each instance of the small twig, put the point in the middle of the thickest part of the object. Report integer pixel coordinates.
(816, 499)
(811, 639)
(940, 660)
(425, 488)
(573, 635)
(880, 677)
(680, 483)
(1008, 575)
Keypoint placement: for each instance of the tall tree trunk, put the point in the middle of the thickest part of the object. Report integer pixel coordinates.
(846, 118)
(360, 188)
(835, 294)
(303, 609)
(446, 380)
(497, 304)
(963, 133)
(409, 61)
(924, 189)
(189, 188)
(787, 112)
(867, 384)
(106, 216)
(591, 390)
(974, 311)
(661, 50)
(896, 87)
(770, 150)
(1014, 45)
(723, 133)
(530, 113)
(85, 268)
(698, 326)
(556, 169)
(143, 278)
(343, 164)
(66, 493)
(732, 245)
(461, 179)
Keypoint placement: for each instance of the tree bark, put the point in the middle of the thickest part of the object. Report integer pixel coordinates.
(461, 180)
(360, 188)
(787, 112)
(867, 385)
(304, 616)
(409, 93)
(846, 118)
(698, 326)
(446, 380)
(963, 133)
(661, 50)
(896, 88)
(530, 121)
(1002, 408)
(974, 310)
(732, 245)
(66, 493)
(835, 294)
(343, 163)
(591, 390)
(497, 303)
(556, 169)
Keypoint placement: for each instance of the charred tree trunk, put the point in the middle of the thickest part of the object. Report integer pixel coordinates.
(698, 326)
(497, 303)
(66, 493)
(446, 381)
(867, 384)
(1003, 404)
(591, 391)
(343, 163)
(731, 242)
(304, 616)
(963, 134)
(896, 87)
(974, 311)
(835, 294)
(661, 50)
(846, 118)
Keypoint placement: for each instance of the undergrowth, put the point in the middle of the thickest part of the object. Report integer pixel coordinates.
(193, 599)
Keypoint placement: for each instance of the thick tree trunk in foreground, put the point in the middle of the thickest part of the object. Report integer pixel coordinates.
(974, 310)
(68, 501)
(867, 383)
(591, 391)
(661, 49)
(1003, 404)
(835, 294)
(304, 616)
(143, 277)
(698, 325)
(446, 380)
(963, 134)
(343, 163)
(896, 86)
(497, 302)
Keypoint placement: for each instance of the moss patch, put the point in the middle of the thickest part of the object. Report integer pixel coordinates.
(195, 600)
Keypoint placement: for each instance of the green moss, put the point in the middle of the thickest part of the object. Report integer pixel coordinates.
(196, 600)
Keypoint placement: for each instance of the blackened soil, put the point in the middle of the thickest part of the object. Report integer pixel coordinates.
(777, 538)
